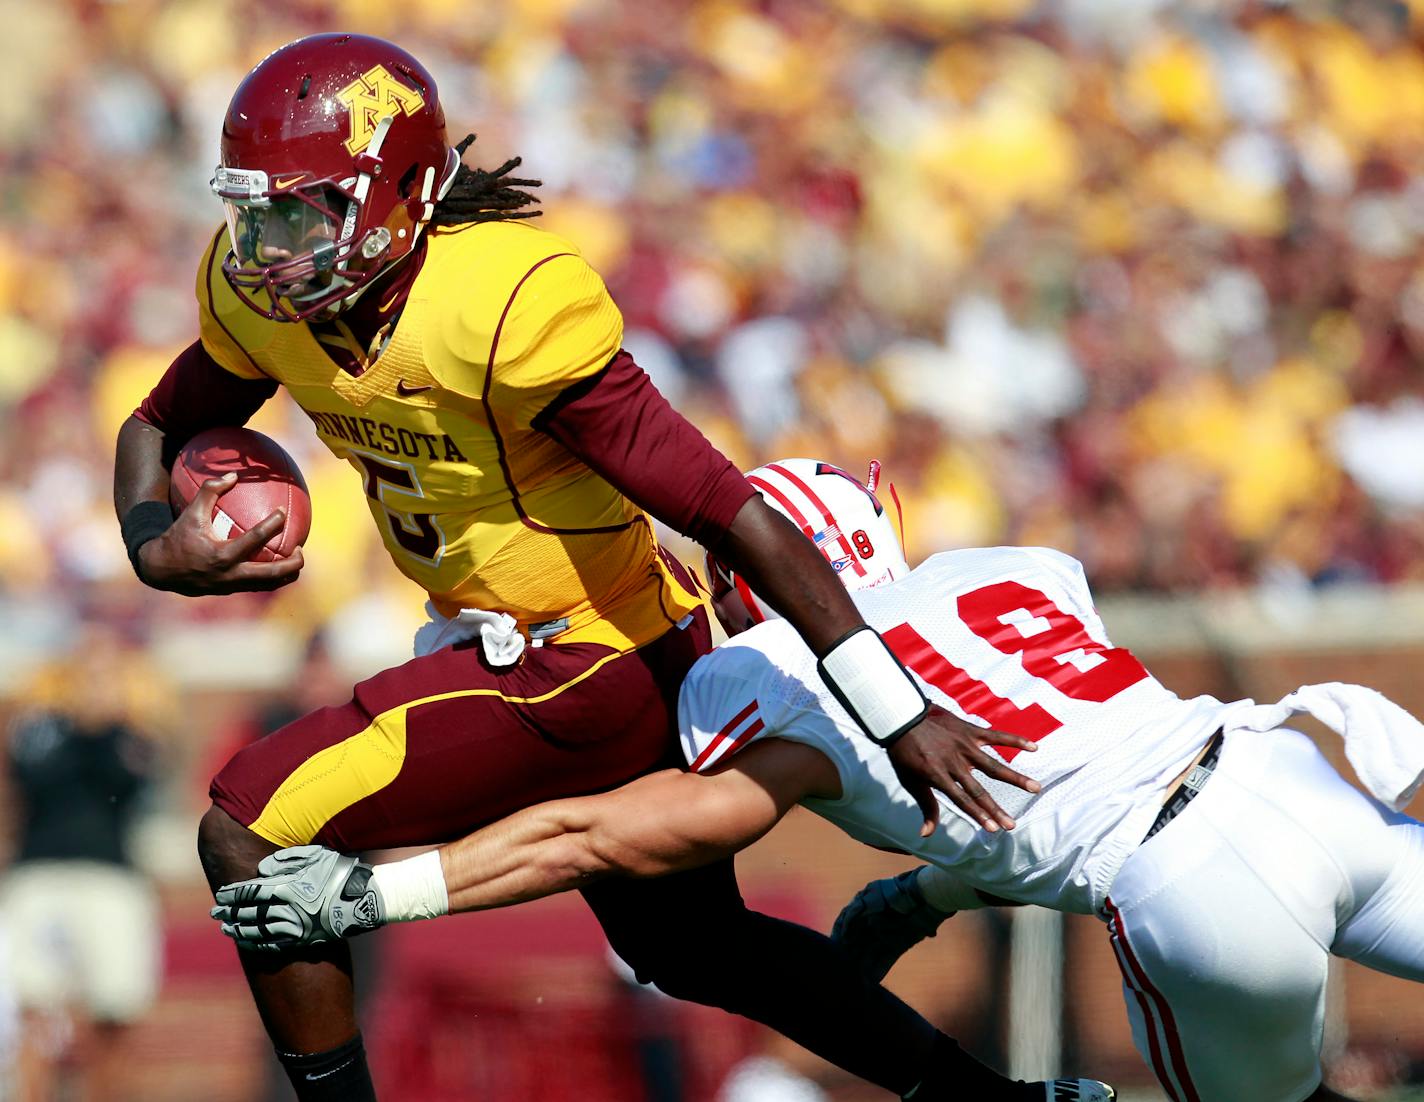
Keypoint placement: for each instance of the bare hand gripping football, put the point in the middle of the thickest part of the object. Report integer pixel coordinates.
(267, 481)
(242, 512)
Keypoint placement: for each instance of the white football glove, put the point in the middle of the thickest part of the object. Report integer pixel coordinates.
(303, 895)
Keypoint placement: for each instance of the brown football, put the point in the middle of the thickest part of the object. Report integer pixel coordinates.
(267, 479)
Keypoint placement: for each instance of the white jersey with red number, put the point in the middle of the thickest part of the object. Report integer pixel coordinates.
(1007, 638)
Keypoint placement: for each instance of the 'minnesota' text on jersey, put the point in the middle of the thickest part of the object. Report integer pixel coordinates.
(473, 502)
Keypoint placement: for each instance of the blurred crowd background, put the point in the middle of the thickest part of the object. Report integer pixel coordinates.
(1139, 280)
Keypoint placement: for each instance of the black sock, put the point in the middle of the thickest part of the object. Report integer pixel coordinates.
(953, 1075)
(337, 1075)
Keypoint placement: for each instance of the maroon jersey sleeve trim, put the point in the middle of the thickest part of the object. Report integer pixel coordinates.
(197, 393)
(622, 427)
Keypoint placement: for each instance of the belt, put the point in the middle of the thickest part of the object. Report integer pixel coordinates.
(1191, 784)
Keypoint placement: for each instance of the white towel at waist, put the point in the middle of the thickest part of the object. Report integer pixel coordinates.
(1384, 743)
(498, 632)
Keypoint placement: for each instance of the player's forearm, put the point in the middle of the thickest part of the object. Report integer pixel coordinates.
(139, 474)
(662, 823)
(658, 824)
(541, 851)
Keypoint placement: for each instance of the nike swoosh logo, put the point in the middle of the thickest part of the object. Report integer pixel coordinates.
(312, 1077)
(278, 185)
(405, 390)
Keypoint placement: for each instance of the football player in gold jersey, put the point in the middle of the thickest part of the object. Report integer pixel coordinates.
(468, 366)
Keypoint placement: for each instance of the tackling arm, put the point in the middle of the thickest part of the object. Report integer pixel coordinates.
(655, 825)
(658, 824)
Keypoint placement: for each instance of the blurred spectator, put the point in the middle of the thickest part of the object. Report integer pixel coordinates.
(81, 923)
(1156, 279)
(1141, 281)
(1383, 449)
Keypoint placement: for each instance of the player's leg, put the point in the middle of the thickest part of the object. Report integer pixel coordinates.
(1223, 921)
(1382, 853)
(1225, 1005)
(692, 936)
(35, 917)
(1379, 855)
(422, 754)
(307, 1000)
(428, 751)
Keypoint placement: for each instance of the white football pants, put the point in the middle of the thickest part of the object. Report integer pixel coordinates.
(1223, 922)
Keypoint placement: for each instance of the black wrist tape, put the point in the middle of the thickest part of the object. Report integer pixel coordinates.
(145, 521)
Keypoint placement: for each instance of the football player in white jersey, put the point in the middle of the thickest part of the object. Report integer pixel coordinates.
(1226, 855)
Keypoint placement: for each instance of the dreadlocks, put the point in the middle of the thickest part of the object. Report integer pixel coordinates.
(480, 196)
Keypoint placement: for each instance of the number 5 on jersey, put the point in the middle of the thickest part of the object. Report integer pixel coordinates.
(416, 533)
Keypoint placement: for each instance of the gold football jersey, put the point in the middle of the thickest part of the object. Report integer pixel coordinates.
(474, 504)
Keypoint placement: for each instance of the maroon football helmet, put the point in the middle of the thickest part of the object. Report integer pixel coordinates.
(333, 156)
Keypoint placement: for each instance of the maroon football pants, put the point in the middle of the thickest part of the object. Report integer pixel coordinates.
(430, 750)
(426, 752)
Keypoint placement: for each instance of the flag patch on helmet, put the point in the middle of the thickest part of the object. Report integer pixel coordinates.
(824, 540)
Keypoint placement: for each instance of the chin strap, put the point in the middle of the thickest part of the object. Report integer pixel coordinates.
(368, 166)
(428, 198)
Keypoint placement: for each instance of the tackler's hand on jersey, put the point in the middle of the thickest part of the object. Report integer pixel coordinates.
(304, 895)
(941, 754)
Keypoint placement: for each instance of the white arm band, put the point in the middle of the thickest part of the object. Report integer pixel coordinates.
(413, 888)
(871, 684)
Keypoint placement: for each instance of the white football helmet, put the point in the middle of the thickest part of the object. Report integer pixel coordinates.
(842, 517)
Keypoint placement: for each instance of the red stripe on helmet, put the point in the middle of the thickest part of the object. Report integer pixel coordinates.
(796, 515)
(825, 513)
(749, 599)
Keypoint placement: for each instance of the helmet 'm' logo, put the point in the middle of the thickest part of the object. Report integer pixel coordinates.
(370, 98)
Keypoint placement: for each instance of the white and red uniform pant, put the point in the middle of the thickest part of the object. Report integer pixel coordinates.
(1224, 922)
